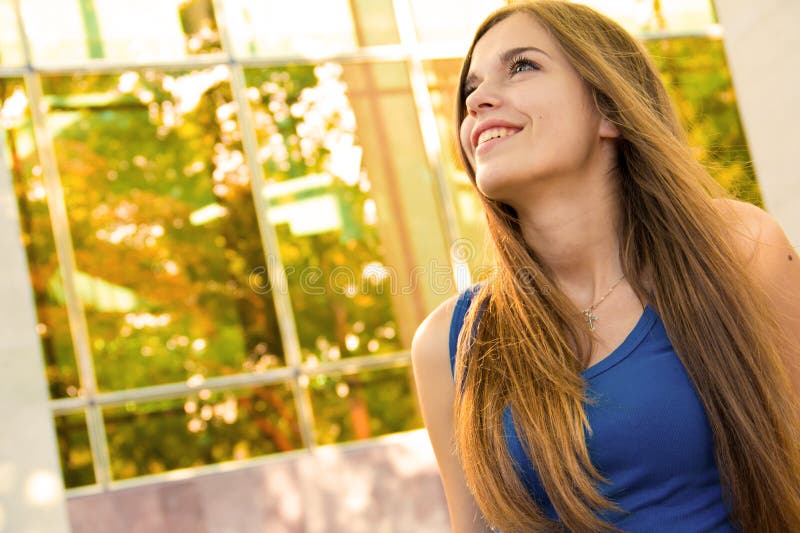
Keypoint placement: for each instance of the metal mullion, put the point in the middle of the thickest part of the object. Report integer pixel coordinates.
(170, 391)
(192, 472)
(110, 66)
(430, 134)
(66, 259)
(66, 406)
(275, 267)
(12, 72)
(389, 52)
(239, 464)
(351, 365)
(269, 237)
(101, 66)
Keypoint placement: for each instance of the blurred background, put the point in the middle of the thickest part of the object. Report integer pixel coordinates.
(224, 219)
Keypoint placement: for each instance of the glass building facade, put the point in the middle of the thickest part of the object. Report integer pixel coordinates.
(236, 212)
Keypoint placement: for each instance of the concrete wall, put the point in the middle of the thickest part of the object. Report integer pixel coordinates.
(762, 42)
(388, 486)
(31, 489)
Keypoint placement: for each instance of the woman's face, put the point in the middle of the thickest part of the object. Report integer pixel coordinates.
(529, 115)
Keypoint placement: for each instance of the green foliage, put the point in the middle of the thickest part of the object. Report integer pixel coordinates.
(310, 116)
(696, 74)
(168, 293)
(73, 446)
(372, 403)
(133, 176)
(154, 437)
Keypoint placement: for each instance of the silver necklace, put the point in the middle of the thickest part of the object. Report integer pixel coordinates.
(588, 313)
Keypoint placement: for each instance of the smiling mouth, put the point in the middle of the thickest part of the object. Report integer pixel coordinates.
(495, 133)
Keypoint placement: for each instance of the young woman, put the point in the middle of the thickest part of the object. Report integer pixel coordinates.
(632, 364)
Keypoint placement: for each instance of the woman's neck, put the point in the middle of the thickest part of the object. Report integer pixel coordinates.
(574, 232)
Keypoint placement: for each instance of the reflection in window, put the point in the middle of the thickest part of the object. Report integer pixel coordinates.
(52, 322)
(319, 200)
(404, 187)
(73, 447)
(363, 405)
(163, 226)
(204, 428)
(146, 30)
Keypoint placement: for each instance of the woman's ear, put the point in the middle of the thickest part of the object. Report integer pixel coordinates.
(608, 130)
(604, 107)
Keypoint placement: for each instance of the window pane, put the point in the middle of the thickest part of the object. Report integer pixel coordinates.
(163, 226)
(405, 188)
(10, 48)
(73, 447)
(374, 22)
(204, 428)
(19, 153)
(364, 405)
(345, 166)
(669, 15)
(275, 28)
(147, 30)
(436, 21)
(696, 73)
(442, 77)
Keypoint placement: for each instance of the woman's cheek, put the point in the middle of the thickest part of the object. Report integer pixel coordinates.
(466, 143)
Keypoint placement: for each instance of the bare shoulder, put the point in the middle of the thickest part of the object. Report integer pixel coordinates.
(431, 341)
(758, 237)
(775, 266)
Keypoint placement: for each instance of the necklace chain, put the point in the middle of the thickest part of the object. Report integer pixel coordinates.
(588, 313)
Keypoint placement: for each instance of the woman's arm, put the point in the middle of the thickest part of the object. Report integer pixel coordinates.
(435, 388)
(776, 265)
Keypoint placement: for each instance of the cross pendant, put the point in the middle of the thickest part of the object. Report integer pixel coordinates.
(591, 318)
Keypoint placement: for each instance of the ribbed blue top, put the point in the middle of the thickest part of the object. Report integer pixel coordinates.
(650, 436)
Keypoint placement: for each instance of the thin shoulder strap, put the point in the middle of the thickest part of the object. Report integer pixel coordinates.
(457, 322)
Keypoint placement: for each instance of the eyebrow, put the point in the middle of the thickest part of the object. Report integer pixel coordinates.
(505, 57)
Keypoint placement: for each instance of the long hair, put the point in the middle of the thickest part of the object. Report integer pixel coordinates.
(530, 343)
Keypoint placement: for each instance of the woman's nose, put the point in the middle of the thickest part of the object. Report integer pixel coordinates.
(482, 97)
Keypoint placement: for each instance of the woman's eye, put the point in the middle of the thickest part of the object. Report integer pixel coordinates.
(521, 65)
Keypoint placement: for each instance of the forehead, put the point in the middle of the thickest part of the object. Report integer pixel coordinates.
(519, 30)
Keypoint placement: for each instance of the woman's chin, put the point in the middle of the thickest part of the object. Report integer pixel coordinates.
(495, 189)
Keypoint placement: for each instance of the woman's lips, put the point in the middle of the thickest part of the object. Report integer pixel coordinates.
(495, 133)
(494, 127)
(493, 136)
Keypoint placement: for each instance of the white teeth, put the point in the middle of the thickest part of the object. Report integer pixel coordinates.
(495, 133)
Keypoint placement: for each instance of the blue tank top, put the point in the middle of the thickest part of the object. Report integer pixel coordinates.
(651, 437)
